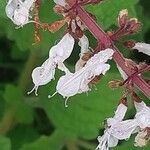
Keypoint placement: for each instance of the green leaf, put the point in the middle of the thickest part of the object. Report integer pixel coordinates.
(14, 97)
(2, 8)
(5, 143)
(24, 114)
(85, 113)
(107, 12)
(22, 134)
(12, 94)
(54, 142)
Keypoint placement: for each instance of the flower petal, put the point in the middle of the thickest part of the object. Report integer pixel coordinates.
(43, 75)
(143, 115)
(101, 57)
(84, 44)
(120, 112)
(63, 49)
(68, 85)
(18, 11)
(143, 48)
(123, 130)
(113, 142)
(123, 74)
(61, 2)
(139, 106)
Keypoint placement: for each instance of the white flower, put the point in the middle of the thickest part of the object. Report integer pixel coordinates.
(57, 55)
(77, 22)
(43, 75)
(19, 11)
(60, 2)
(84, 44)
(108, 140)
(74, 83)
(142, 119)
(141, 139)
(116, 130)
(143, 48)
(143, 114)
(63, 49)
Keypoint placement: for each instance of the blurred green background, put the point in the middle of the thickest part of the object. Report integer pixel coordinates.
(37, 123)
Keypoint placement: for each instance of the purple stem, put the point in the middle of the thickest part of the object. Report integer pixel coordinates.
(106, 42)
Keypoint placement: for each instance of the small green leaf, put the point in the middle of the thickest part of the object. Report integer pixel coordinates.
(12, 94)
(14, 97)
(54, 142)
(22, 134)
(24, 113)
(2, 8)
(5, 143)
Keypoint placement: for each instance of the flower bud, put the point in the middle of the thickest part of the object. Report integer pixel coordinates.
(114, 84)
(123, 17)
(136, 98)
(59, 9)
(142, 138)
(129, 44)
(86, 56)
(135, 25)
(124, 101)
(79, 33)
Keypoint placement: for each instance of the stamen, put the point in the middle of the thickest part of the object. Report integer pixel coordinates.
(66, 100)
(50, 96)
(34, 88)
(36, 91)
(31, 21)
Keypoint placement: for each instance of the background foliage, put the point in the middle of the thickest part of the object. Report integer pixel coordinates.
(37, 123)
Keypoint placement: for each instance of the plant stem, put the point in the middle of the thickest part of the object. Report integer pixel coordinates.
(7, 121)
(106, 42)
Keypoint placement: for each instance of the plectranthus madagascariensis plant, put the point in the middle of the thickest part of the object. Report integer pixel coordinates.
(93, 63)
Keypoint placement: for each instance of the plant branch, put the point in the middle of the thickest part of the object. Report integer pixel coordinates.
(106, 42)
